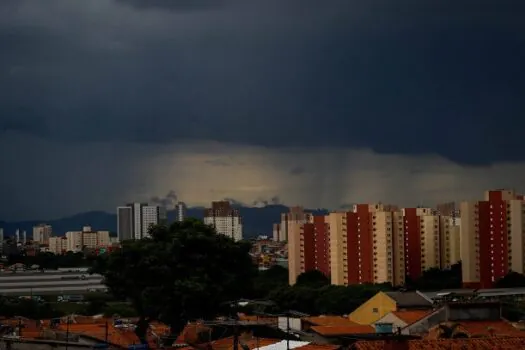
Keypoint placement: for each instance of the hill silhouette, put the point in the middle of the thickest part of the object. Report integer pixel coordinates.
(257, 220)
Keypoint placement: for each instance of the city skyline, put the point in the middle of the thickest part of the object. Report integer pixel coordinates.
(377, 243)
(180, 207)
(318, 104)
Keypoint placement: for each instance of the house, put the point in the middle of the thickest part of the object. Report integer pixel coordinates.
(385, 302)
(442, 344)
(401, 321)
(476, 329)
(343, 331)
(308, 322)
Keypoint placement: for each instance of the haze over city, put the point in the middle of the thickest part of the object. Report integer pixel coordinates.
(320, 104)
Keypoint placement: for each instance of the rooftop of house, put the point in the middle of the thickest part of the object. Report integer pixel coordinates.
(406, 300)
(338, 331)
(329, 321)
(253, 343)
(497, 328)
(257, 319)
(98, 329)
(447, 344)
(411, 316)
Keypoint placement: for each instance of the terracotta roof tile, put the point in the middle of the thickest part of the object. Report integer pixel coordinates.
(252, 343)
(448, 344)
(411, 316)
(497, 328)
(115, 335)
(190, 333)
(329, 321)
(260, 319)
(332, 331)
(319, 347)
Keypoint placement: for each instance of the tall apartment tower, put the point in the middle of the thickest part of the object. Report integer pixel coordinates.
(180, 211)
(315, 244)
(374, 243)
(291, 228)
(41, 233)
(492, 238)
(225, 219)
(125, 223)
(135, 219)
(276, 230)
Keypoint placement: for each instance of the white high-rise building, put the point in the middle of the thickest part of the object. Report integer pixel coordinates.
(151, 215)
(225, 219)
(180, 212)
(41, 233)
(134, 220)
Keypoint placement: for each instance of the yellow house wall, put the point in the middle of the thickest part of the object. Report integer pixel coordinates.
(373, 309)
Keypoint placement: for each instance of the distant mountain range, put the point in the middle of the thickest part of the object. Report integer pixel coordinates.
(257, 221)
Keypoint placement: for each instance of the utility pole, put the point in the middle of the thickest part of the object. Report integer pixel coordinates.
(67, 332)
(20, 327)
(235, 306)
(107, 333)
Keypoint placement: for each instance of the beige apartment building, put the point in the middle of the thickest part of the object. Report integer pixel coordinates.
(450, 243)
(77, 241)
(492, 238)
(291, 228)
(57, 245)
(337, 229)
(42, 233)
(373, 243)
(87, 239)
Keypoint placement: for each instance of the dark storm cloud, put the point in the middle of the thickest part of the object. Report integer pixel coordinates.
(218, 162)
(168, 201)
(175, 5)
(398, 77)
(297, 170)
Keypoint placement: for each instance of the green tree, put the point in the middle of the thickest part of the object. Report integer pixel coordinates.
(511, 280)
(340, 300)
(436, 279)
(183, 272)
(274, 278)
(313, 278)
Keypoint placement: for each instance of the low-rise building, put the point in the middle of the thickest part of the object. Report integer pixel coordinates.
(383, 303)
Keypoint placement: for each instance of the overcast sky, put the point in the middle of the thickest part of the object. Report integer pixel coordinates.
(320, 103)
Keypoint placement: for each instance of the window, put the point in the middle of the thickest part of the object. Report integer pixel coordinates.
(375, 310)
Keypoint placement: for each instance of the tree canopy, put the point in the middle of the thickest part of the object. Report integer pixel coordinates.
(437, 279)
(312, 278)
(511, 280)
(183, 272)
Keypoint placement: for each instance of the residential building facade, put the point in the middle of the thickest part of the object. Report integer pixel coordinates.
(373, 243)
(225, 219)
(77, 241)
(180, 211)
(492, 238)
(292, 228)
(134, 220)
(42, 233)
